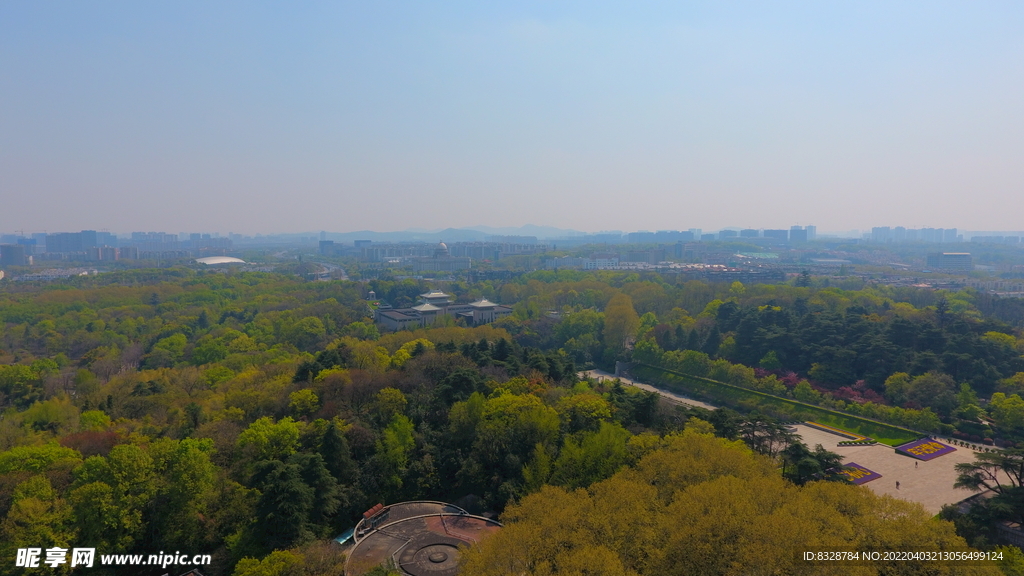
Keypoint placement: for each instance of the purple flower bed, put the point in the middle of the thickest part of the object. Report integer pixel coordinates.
(859, 474)
(925, 449)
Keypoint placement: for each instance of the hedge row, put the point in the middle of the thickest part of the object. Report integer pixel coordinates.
(784, 408)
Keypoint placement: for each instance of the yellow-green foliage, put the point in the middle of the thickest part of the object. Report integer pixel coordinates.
(269, 440)
(303, 402)
(277, 563)
(702, 505)
(396, 340)
(37, 458)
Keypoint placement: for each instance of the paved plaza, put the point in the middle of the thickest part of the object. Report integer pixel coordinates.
(929, 483)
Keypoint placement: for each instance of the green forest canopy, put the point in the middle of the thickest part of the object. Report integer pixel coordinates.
(265, 412)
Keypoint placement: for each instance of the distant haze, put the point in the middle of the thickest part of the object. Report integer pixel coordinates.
(341, 116)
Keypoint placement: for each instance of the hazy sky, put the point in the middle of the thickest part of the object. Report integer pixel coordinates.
(296, 116)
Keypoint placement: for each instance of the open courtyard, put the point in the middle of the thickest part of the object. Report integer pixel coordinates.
(929, 483)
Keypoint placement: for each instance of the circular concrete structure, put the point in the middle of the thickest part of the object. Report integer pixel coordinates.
(419, 538)
(429, 555)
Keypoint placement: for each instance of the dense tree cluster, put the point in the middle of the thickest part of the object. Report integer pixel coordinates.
(251, 415)
(696, 504)
(237, 416)
(843, 349)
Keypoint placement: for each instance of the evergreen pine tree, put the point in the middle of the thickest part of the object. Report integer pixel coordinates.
(713, 341)
(418, 350)
(502, 350)
(693, 343)
(284, 507)
(327, 496)
(338, 457)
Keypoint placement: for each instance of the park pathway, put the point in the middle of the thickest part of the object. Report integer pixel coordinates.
(670, 396)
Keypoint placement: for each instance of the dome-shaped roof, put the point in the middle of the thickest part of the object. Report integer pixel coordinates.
(442, 246)
(441, 251)
(220, 260)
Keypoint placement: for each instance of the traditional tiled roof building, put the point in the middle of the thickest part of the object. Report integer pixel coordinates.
(434, 305)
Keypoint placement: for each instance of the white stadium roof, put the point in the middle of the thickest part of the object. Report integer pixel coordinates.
(220, 260)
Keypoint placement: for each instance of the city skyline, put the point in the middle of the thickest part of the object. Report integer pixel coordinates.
(898, 233)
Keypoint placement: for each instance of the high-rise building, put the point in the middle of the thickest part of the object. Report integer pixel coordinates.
(88, 238)
(642, 236)
(748, 233)
(797, 234)
(777, 234)
(812, 232)
(881, 234)
(12, 255)
(155, 241)
(29, 244)
(950, 261)
(931, 234)
(665, 236)
(64, 242)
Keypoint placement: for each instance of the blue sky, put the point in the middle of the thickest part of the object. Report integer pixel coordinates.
(278, 117)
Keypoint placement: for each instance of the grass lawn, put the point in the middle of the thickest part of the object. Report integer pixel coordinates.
(879, 432)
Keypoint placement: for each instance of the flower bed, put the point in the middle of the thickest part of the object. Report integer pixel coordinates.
(858, 474)
(925, 449)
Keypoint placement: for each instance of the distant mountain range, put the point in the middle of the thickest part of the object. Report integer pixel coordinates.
(473, 234)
